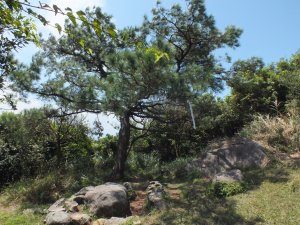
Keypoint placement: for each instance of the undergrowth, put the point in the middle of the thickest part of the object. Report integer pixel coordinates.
(280, 133)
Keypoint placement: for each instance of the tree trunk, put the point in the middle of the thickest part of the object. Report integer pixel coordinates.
(123, 145)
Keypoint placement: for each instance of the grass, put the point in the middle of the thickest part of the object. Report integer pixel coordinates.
(273, 202)
(273, 198)
(18, 218)
(279, 134)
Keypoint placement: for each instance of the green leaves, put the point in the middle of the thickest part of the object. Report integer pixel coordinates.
(56, 9)
(58, 27)
(42, 19)
(112, 32)
(72, 18)
(97, 27)
(82, 43)
(157, 54)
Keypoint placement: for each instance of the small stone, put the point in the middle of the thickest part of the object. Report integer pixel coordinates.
(81, 219)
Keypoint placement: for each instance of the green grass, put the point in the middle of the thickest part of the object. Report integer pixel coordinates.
(18, 218)
(273, 202)
(273, 198)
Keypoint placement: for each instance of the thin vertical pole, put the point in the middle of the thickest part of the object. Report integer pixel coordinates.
(192, 114)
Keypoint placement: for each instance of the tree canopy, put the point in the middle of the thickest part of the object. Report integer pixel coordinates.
(134, 73)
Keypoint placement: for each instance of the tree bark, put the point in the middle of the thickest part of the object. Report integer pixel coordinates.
(123, 145)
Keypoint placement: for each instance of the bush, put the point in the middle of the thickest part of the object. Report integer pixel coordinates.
(281, 133)
(177, 169)
(221, 190)
(46, 190)
(143, 165)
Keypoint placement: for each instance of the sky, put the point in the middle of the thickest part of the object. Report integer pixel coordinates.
(270, 27)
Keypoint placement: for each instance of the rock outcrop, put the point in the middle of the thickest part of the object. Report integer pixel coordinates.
(236, 153)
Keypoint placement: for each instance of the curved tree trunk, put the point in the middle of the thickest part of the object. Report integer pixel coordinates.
(123, 145)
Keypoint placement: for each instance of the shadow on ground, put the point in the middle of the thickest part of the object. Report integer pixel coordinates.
(196, 207)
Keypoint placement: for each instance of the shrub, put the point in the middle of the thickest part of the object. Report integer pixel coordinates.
(144, 165)
(45, 190)
(221, 190)
(177, 169)
(280, 133)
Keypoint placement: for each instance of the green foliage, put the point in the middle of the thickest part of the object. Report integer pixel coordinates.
(176, 169)
(165, 61)
(31, 144)
(17, 218)
(104, 153)
(178, 138)
(46, 190)
(256, 88)
(145, 166)
(221, 190)
(260, 89)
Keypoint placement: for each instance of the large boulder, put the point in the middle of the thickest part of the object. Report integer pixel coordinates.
(108, 200)
(236, 153)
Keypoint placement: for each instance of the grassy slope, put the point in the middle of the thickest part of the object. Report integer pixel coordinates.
(273, 202)
(273, 198)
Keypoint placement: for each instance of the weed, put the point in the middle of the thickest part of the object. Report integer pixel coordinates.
(221, 190)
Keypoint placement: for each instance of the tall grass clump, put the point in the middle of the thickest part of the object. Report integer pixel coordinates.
(279, 133)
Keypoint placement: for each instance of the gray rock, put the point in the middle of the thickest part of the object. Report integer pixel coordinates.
(127, 185)
(58, 218)
(112, 221)
(80, 219)
(131, 194)
(236, 153)
(71, 205)
(229, 176)
(84, 190)
(64, 205)
(108, 200)
(156, 194)
(58, 206)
